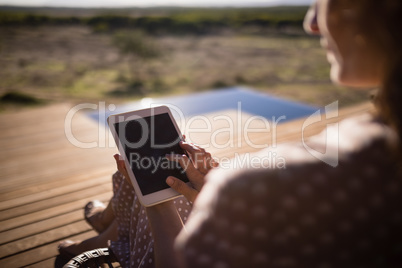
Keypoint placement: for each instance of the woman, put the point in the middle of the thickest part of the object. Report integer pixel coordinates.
(311, 214)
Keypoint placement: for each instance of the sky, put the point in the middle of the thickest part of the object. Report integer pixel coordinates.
(150, 3)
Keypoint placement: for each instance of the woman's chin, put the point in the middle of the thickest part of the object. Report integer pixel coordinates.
(331, 58)
(335, 74)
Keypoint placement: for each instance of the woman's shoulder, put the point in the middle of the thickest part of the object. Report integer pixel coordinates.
(353, 146)
(306, 206)
(365, 170)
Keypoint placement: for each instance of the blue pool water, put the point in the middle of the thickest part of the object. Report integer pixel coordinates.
(250, 101)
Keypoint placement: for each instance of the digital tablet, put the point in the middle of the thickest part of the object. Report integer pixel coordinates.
(144, 138)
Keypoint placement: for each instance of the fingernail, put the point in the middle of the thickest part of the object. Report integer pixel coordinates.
(169, 181)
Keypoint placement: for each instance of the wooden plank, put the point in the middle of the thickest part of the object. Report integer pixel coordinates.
(31, 161)
(52, 127)
(54, 192)
(55, 201)
(34, 116)
(62, 181)
(52, 171)
(45, 263)
(38, 254)
(43, 238)
(50, 212)
(34, 162)
(41, 226)
(85, 131)
(16, 145)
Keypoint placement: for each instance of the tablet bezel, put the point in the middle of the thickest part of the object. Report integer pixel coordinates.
(159, 196)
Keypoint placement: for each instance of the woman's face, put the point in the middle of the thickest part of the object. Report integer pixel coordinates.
(354, 60)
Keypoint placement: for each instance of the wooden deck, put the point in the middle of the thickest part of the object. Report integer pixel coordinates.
(45, 180)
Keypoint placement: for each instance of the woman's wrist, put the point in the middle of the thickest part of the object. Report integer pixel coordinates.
(162, 209)
(165, 224)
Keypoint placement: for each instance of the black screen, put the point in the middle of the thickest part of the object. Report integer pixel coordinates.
(146, 141)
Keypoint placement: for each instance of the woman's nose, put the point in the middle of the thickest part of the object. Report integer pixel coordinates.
(310, 20)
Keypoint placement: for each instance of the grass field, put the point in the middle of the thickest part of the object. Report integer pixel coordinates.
(73, 63)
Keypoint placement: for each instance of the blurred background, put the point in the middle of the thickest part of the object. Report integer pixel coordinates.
(119, 51)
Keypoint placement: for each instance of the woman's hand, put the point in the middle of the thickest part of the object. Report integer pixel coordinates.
(196, 167)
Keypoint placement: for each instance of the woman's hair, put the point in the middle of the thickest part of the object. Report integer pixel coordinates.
(382, 21)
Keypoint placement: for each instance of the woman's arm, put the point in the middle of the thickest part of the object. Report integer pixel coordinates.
(165, 225)
(164, 219)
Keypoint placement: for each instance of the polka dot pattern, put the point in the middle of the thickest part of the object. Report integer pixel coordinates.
(310, 215)
(134, 246)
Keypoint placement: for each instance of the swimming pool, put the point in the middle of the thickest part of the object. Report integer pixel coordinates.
(234, 98)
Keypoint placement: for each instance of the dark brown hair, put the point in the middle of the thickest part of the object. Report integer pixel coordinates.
(383, 23)
(390, 95)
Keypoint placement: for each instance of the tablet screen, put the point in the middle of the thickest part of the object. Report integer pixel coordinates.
(146, 141)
